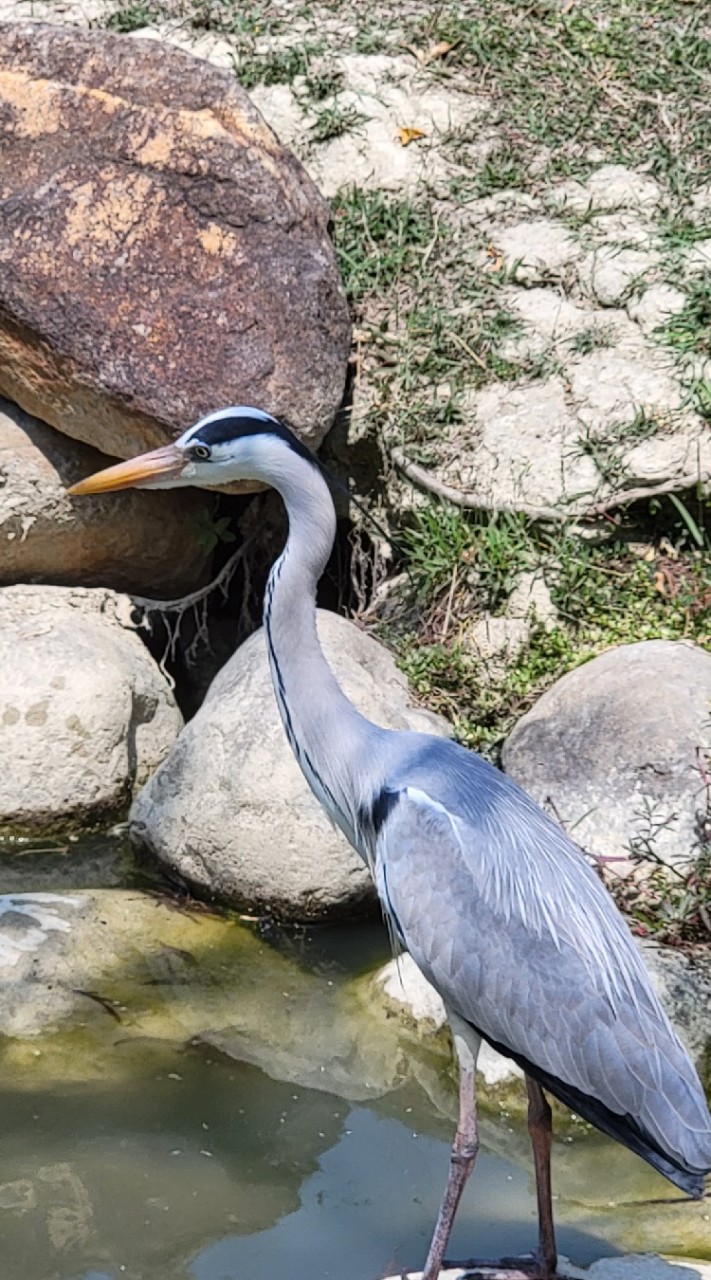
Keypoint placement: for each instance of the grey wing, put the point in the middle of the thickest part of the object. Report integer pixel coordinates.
(511, 926)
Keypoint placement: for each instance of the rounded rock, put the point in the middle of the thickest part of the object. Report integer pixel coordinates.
(616, 746)
(162, 254)
(85, 713)
(152, 544)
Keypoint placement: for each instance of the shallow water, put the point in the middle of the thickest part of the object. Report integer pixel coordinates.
(173, 1161)
(206, 1168)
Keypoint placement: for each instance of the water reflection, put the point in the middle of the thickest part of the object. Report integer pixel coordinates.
(203, 1169)
(302, 1135)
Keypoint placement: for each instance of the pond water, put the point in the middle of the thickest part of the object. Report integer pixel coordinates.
(208, 1169)
(174, 1161)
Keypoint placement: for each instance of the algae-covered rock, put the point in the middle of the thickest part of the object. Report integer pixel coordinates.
(122, 965)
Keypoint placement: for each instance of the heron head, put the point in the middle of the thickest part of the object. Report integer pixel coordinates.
(240, 443)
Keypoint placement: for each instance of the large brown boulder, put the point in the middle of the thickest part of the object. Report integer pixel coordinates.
(151, 544)
(161, 254)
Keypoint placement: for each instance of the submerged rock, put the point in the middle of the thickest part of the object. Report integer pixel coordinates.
(124, 964)
(637, 1266)
(85, 713)
(152, 544)
(616, 744)
(103, 986)
(230, 811)
(162, 253)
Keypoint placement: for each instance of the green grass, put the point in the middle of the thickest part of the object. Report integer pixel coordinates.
(132, 17)
(199, 15)
(689, 332)
(504, 169)
(628, 76)
(279, 66)
(607, 448)
(594, 338)
(380, 239)
(488, 555)
(334, 120)
(460, 566)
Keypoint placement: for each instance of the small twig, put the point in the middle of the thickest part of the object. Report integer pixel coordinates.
(467, 349)
(428, 251)
(477, 502)
(448, 612)
(469, 501)
(647, 491)
(104, 1001)
(197, 602)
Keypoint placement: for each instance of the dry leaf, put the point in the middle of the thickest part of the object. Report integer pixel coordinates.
(405, 136)
(660, 583)
(495, 256)
(435, 51)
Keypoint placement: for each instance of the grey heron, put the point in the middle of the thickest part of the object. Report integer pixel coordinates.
(494, 902)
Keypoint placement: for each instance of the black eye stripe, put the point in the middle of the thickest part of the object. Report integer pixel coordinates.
(232, 426)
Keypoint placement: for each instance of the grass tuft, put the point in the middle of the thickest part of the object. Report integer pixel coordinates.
(379, 238)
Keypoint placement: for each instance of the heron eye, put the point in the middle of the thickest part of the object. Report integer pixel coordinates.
(201, 451)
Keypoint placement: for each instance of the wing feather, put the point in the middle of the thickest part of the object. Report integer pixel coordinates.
(504, 916)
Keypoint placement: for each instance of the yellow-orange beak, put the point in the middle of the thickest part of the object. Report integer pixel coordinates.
(146, 469)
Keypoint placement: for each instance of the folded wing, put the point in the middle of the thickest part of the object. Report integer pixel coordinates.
(504, 916)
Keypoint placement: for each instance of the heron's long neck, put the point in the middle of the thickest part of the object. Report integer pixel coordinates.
(324, 729)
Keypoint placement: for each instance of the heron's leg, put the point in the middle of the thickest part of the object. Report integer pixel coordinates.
(540, 1129)
(464, 1147)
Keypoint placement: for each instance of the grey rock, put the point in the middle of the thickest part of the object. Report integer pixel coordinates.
(655, 306)
(537, 249)
(610, 187)
(698, 258)
(610, 272)
(85, 713)
(497, 639)
(229, 809)
(614, 186)
(614, 745)
(611, 386)
(381, 89)
(523, 449)
(683, 985)
(151, 544)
